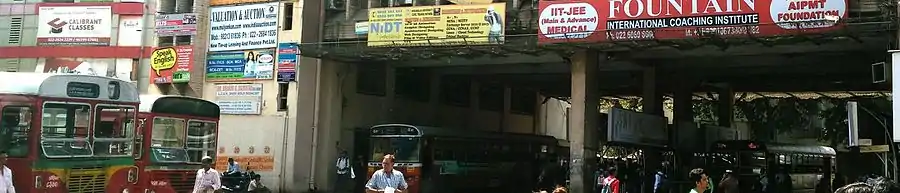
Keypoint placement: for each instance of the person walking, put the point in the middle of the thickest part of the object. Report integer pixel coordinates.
(611, 183)
(208, 179)
(729, 183)
(345, 173)
(387, 179)
(700, 179)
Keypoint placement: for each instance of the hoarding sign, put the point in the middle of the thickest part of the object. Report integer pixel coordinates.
(437, 25)
(240, 65)
(287, 62)
(171, 64)
(243, 27)
(239, 99)
(232, 2)
(181, 24)
(625, 20)
(74, 25)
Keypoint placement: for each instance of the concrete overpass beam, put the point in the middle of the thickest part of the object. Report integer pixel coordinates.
(390, 82)
(583, 120)
(725, 110)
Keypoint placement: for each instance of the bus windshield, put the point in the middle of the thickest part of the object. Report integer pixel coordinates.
(201, 140)
(167, 139)
(64, 130)
(405, 149)
(113, 130)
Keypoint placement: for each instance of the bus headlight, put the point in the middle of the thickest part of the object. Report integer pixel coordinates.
(38, 182)
(132, 175)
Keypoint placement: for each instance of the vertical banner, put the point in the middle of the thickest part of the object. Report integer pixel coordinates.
(240, 65)
(243, 27)
(171, 64)
(74, 25)
(181, 24)
(287, 62)
(239, 99)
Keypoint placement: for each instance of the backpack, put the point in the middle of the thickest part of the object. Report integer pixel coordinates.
(607, 185)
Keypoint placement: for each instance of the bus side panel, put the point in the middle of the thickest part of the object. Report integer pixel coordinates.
(22, 175)
(117, 178)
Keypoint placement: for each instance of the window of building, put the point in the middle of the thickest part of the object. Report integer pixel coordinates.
(165, 41)
(283, 96)
(370, 79)
(413, 84)
(523, 102)
(490, 97)
(14, 126)
(287, 22)
(15, 30)
(396, 3)
(455, 90)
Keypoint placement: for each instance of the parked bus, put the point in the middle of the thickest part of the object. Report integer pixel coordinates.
(67, 132)
(753, 162)
(439, 159)
(177, 132)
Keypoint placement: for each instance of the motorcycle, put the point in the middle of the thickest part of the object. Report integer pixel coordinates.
(236, 182)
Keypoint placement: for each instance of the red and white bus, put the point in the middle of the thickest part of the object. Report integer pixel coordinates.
(177, 132)
(67, 132)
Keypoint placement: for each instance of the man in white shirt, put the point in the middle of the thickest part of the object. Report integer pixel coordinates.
(208, 179)
(6, 186)
(387, 179)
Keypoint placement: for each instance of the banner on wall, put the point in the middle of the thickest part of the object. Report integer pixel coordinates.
(243, 27)
(437, 25)
(287, 62)
(618, 20)
(239, 99)
(74, 25)
(240, 65)
(97, 67)
(130, 26)
(181, 24)
(171, 64)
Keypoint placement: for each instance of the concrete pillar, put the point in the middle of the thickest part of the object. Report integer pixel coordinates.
(507, 104)
(725, 110)
(685, 132)
(583, 120)
(539, 116)
(652, 104)
(474, 103)
(387, 103)
(434, 97)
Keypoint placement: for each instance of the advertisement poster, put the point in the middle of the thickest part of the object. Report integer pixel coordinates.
(243, 27)
(171, 64)
(240, 65)
(74, 25)
(239, 99)
(287, 62)
(130, 26)
(181, 24)
(437, 25)
(621, 20)
(232, 2)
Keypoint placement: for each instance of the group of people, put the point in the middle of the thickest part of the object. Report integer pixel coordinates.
(209, 180)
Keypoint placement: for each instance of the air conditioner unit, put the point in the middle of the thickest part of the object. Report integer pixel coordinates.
(335, 4)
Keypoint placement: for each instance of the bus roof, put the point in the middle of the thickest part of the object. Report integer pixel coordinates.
(747, 145)
(68, 86)
(179, 105)
(447, 132)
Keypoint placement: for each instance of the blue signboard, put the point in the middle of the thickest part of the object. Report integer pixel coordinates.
(240, 65)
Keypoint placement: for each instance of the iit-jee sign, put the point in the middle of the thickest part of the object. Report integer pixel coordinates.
(612, 20)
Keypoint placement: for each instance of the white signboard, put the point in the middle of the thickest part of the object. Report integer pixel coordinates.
(243, 27)
(895, 96)
(74, 25)
(239, 99)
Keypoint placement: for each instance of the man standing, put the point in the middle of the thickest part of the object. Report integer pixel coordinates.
(611, 183)
(6, 176)
(345, 173)
(207, 178)
(701, 181)
(387, 180)
(495, 35)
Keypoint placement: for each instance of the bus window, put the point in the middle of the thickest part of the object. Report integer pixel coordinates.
(444, 150)
(64, 132)
(201, 140)
(14, 126)
(167, 133)
(113, 129)
(405, 149)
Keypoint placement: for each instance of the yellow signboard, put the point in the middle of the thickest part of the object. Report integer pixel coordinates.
(437, 25)
(232, 2)
(162, 59)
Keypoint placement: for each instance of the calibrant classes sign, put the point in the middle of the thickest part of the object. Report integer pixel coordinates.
(243, 27)
(74, 25)
(615, 20)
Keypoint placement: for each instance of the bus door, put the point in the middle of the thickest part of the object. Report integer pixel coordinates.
(15, 122)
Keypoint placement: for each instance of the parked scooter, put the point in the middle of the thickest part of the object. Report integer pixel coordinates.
(236, 182)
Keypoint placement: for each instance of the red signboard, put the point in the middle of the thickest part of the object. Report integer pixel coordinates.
(181, 72)
(618, 20)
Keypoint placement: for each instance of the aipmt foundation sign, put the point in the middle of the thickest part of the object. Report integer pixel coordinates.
(74, 25)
